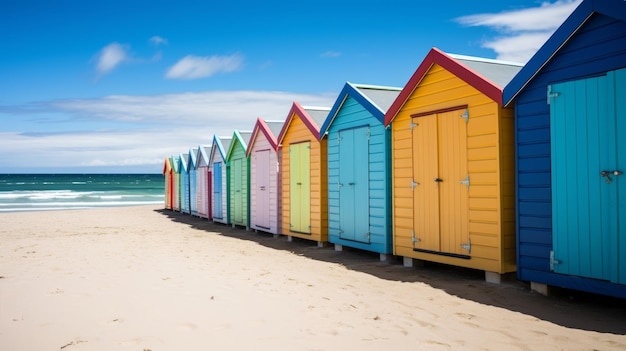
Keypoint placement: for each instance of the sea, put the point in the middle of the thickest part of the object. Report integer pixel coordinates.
(44, 192)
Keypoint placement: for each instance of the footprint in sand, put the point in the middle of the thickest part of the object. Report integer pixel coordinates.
(187, 326)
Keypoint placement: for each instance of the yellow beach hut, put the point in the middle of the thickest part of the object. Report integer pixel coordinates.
(304, 173)
(453, 165)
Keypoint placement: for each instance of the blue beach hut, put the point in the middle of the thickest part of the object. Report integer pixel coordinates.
(192, 163)
(359, 164)
(220, 171)
(183, 166)
(570, 118)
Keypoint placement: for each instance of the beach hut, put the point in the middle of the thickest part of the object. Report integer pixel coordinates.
(264, 154)
(183, 164)
(191, 161)
(453, 170)
(304, 172)
(570, 125)
(176, 183)
(168, 183)
(359, 164)
(239, 179)
(220, 171)
(203, 182)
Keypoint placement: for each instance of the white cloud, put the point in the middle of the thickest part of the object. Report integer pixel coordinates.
(134, 130)
(110, 57)
(194, 67)
(157, 40)
(522, 32)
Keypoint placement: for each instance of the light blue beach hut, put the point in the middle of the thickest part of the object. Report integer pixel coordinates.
(359, 161)
(183, 164)
(220, 171)
(264, 154)
(570, 132)
(192, 163)
(239, 179)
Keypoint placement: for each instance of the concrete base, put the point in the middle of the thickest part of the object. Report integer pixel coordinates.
(384, 257)
(543, 289)
(320, 244)
(276, 235)
(289, 238)
(338, 247)
(408, 261)
(493, 277)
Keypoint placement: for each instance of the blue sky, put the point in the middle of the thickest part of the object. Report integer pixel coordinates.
(116, 86)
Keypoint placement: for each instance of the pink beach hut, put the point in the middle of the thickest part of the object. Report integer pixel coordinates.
(168, 184)
(264, 154)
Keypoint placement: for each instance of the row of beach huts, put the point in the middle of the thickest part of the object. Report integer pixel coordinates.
(475, 163)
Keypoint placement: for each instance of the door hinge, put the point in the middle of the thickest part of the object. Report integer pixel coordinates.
(413, 125)
(414, 184)
(413, 238)
(338, 139)
(341, 231)
(368, 134)
(551, 95)
(467, 246)
(553, 261)
(465, 181)
(465, 115)
(339, 185)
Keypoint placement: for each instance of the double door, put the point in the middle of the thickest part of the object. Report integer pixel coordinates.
(440, 183)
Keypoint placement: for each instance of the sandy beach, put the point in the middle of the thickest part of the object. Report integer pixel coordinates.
(144, 278)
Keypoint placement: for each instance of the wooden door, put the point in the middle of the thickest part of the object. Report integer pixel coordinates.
(441, 183)
(588, 188)
(237, 191)
(354, 184)
(300, 187)
(262, 205)
(218, 206)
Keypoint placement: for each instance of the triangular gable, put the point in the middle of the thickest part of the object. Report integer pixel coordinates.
(202, 158)
(611, 8)
(183, 163)
(221, 145)
(312, 117)
(193, 158)
(174, 163)
(455, 66)
(270, 129)
(167, 166)
(239, 138)
(375, 99)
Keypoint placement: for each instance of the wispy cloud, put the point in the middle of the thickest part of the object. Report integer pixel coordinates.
(110, 57)
(330, 54)
(130, 131)
(157, 40)
(194, 67)
(521, 32)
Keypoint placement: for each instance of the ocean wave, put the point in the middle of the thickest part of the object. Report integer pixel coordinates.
(48, 206)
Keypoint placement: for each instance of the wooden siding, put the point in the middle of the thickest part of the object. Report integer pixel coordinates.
(202, 191)
(297, 132)
(260, 144)
(488, 200)
(596, 48)
(352, 115)
(217, 157)
(238, 190)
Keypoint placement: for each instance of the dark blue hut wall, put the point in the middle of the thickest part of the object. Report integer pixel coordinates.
(599, 46)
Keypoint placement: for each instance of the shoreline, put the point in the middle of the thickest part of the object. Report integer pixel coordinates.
(143, 277)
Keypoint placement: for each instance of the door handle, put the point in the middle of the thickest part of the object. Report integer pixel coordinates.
(608, 174)
(438, 180)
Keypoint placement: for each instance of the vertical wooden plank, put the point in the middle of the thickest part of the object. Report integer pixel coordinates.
(620, 127)
(217, 191)
(305, 189)
(262, 161)
(361, 184)
(347, 220)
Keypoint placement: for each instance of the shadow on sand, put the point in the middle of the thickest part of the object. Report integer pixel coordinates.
(568, 308)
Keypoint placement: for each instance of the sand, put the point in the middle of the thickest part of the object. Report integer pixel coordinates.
(143, 278)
